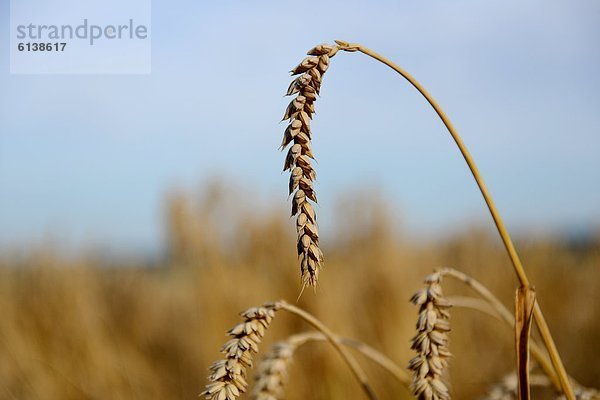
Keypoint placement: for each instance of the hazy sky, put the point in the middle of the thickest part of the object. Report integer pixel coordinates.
(89, 158)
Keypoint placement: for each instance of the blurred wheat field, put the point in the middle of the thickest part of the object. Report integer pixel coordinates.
(84, 328)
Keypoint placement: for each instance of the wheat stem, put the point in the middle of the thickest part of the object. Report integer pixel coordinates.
(473, 303)
(272, 371)
(463, 149)
(359, 374)
(379, 358)
(508, 244)
(505, 315)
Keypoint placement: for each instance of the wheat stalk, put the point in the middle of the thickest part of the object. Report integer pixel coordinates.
(503, 313)
(431, 341)
(492, 306)
(273, 370)
(299, 112)
(502, 231)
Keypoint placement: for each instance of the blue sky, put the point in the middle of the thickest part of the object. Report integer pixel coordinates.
(88, 158)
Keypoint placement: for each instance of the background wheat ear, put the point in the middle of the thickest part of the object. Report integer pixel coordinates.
(431, 341)
(273, 370)
(228, 376)
(306, 86)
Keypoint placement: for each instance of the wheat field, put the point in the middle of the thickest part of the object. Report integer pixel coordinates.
(79, 327)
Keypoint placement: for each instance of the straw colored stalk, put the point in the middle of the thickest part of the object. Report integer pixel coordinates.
(503, 232)
(272, 373)
(492, 306)
(298, 134)
(504, 314)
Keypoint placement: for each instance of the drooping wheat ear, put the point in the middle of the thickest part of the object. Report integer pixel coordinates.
(430, 342)
(306, 87)
(228, 376)
(273, 369)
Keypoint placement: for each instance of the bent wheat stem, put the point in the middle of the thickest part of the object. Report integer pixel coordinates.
(506, 239)
(379, 358)
(273, 369)
(359, 374)
(504, 315)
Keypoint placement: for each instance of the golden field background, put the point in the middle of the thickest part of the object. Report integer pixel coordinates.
(86, 328)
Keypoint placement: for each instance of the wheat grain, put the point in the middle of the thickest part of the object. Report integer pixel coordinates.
(430, 342)
(299, 112)
(228, 376)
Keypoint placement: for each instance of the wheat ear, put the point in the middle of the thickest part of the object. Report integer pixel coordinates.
(299, 113)
(228, 376)
(431, 341)
(273, 370)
